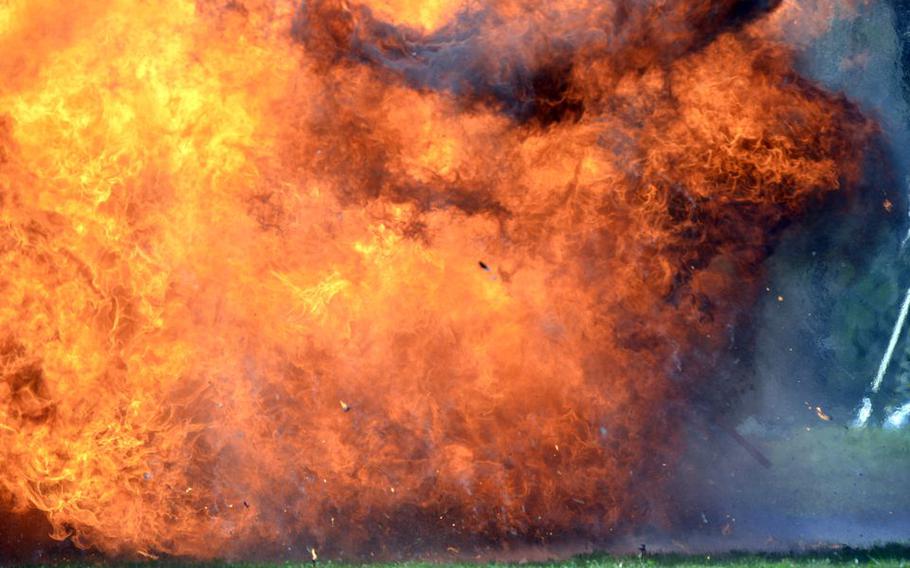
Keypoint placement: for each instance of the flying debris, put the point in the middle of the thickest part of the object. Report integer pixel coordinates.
(863, 413)
(865, 409)
(898, 418)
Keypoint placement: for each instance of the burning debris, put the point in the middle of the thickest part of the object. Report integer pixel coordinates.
(821, 414)
(212, 219)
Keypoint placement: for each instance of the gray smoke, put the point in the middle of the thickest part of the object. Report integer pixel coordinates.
(834, 293)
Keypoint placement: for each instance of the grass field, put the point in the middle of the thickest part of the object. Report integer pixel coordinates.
(883, 556)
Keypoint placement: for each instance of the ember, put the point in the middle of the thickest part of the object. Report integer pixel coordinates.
(218, 223)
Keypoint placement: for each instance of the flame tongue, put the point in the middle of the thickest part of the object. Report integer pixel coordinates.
(241, 295)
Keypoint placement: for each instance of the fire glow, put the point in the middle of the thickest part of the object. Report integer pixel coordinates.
(343, 273)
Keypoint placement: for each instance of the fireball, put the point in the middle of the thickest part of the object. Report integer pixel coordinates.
(355, 274)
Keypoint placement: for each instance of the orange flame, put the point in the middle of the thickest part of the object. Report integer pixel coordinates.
(241, 298)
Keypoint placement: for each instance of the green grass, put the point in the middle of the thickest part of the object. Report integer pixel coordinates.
(897, 556)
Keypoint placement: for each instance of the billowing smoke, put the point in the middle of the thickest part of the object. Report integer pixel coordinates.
(363, 278)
